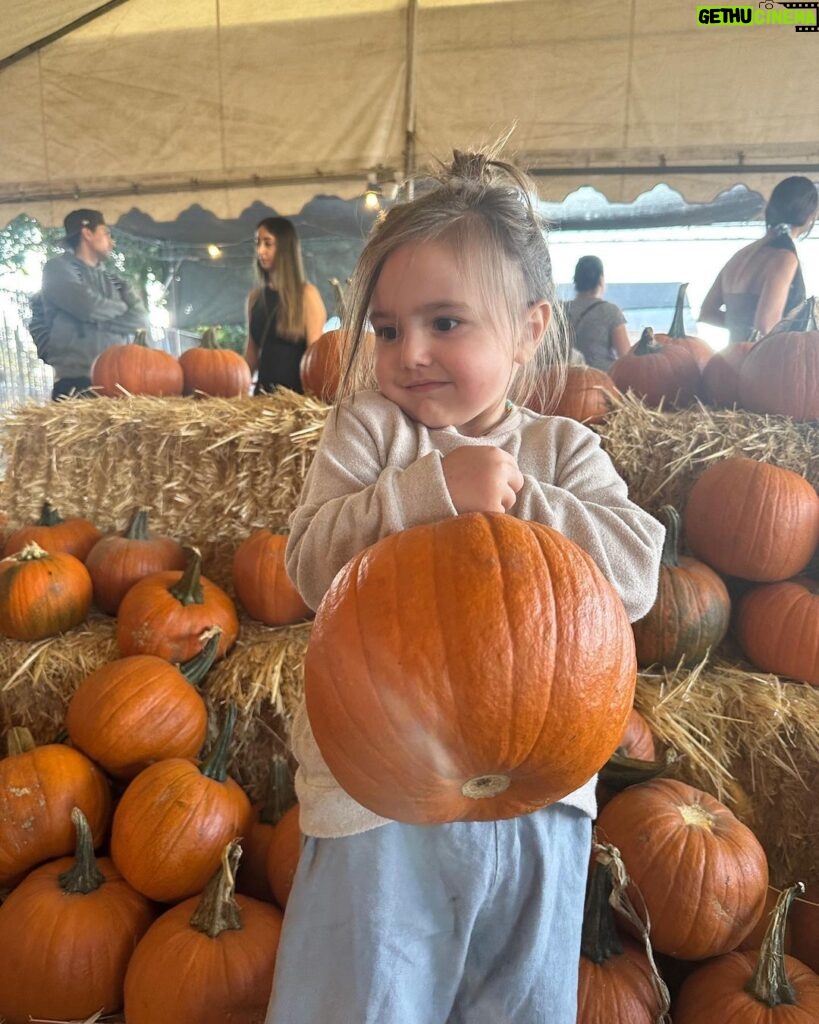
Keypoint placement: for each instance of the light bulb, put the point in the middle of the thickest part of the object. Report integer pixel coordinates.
(214, 252)
(372, 200)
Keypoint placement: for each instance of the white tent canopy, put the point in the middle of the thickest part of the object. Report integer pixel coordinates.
(157, 105)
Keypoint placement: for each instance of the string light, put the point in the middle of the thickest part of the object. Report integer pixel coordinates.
(214, 252)
(372, 197)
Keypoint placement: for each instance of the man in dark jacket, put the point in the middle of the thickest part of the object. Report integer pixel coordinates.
(86, 307)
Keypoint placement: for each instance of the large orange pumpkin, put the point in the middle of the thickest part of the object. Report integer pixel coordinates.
(131, 712)
(752, 519)
(174, 819)
(209, 960)
(320, 368)
(169, 613)
(778, 628)
(702, 873)
(75, 536)
(42, 594)
(117, 561)
(659, 374)
(767, 987)
(213, 371)
(690, 614)
(39, 787)
(136, 369)
(67, 933)
(261, 581)
(494, 676)
(781, 373)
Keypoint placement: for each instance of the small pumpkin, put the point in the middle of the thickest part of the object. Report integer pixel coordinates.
(588, 396)
(659, 374)
(210, 370)
(168, 613)
(692, 609)
(778, 628)
(637, 740)
(780, 374)
(699, 349)
(136, 369)
(283, 855)
(615, 983)
(320, 368)
(173, 821)
(39, 787)
(752, 519)
(754, 988)
(42, 594)
(131, 712)
(702, 874)
(513, 604)
(261, 581)
(67, 933)
(75, 536)
(117, 561)
(208, 960)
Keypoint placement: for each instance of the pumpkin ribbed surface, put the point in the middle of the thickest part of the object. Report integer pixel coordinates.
(471, 669)
(778, 628)
(702, 873)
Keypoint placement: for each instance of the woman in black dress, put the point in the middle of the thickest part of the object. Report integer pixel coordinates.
(285, 313)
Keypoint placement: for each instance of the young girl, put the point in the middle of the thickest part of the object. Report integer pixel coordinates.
(470, 922)
(285, 313)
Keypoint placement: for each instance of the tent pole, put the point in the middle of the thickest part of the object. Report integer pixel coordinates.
(409, 93)
(52, 37)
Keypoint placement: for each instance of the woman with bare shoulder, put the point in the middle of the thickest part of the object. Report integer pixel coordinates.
(285, 313)
(763, 281)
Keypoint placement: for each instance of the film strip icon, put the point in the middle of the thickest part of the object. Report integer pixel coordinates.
(814, 4)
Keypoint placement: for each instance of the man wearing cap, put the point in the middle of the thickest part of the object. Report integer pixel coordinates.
(88, 308)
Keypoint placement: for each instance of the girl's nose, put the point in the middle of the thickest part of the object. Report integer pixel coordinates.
(414, 349)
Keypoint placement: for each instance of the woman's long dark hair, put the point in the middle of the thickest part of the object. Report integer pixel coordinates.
(286, 276)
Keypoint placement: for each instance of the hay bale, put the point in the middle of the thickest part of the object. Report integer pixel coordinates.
(661, 454)
(209, 471)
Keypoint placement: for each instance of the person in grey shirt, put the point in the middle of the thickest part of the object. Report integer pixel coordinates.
(598, 327)
(87, 308)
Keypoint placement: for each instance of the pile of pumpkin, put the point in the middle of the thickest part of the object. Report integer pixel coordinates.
(774, 374)
(206, 370)
(83, 934)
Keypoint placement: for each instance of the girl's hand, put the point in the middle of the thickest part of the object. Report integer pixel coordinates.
(481, 478)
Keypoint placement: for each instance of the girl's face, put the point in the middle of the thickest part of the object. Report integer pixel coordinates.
(265, 249)
(438, 356)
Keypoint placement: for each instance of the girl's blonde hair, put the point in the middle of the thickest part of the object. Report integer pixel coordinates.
(485, 210)
(286, 276)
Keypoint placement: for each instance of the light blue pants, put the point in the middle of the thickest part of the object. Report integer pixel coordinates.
(469, 923)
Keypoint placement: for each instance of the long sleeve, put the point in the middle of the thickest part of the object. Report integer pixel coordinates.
(64, 288)
(349, 502)
(588, 502)
(135, 318)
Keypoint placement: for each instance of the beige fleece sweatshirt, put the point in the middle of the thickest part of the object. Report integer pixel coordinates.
(377, 472)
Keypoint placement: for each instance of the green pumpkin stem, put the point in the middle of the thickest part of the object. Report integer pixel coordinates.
(620, 771)
(769, 984)
(279, 795)
(803, 319)
(200, 664)
(215, 766)
(217, 910)
(671, 545)
(49, 516)
(19, 740)
(141, 339)
(599, 940)
(189, 588)
(84, 876)
(677, 328)
(208, 340)
(138, 526)
(646, 345)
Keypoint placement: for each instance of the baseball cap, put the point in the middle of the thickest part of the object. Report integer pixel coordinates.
(75, 221)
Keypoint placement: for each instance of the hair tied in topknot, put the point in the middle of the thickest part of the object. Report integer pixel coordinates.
(470, 166)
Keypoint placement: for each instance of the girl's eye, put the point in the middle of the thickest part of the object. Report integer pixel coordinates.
(445, 324)
(386, 333)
